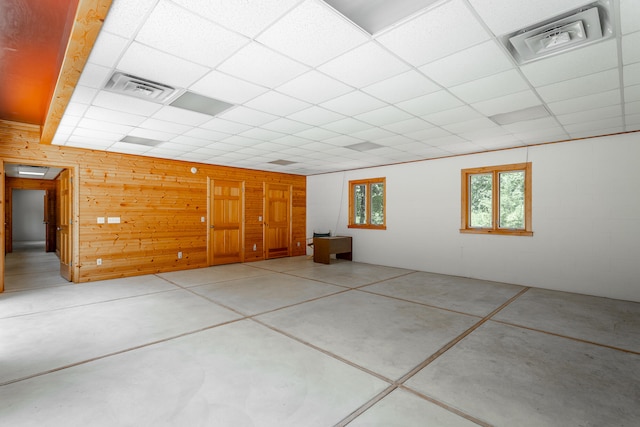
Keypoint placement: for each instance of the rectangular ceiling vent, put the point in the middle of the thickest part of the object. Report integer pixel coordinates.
(580, 27)
(138, 87)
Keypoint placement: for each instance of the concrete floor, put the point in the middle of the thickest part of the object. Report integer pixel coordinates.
(287, 342)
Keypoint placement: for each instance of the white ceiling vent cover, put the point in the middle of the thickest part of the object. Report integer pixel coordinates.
(140, 88)
(577, 28)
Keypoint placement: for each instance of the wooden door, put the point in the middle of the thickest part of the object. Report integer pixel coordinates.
(50, 220)
(3, 230)
(226, 222)
(277, 220)
(65, 224)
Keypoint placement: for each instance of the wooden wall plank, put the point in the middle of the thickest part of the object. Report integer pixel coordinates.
(160, 204)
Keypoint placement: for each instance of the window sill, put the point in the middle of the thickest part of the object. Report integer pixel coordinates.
(498, 232)
(368, 227)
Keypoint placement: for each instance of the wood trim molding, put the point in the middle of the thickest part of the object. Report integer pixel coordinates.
(87, 24)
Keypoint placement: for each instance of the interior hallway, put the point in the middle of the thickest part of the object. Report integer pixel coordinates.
(287, 342)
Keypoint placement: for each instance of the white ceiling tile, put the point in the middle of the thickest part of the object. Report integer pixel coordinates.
(495, 143)
(314, 87)
(353, 103)
(316, 134)
(113, 116)
(263, 66)
(342, 140)
(631, 47)
(179, 115)
(174, 30)
(107, 49)
(83, 95)
(90, 143)
(461, 148)
(152, 134)
(372, 134)
(165, 126)
(632, 93)
(94, 76)
(588, 102)
(285, 126)
(125, 104)
(241, 141)
(316, 116)
(453, 115)
(206, 134)
(125, 17)
(583, 86)
(570, 65)
(473, 63)
(247, 116)
(104, 126)
(600, 131)
(435, 34)
(191, 142)
(430, 103)
(402, 87)
(262, 134)
(393, 141)
(68, 121)
(227, 88)
(126, 148)
(143, 61)
(594, 125)
(494, 86)
(470, 125)
(413, 124)
(504, 104)
(291, 141)
(542, 135)
(533, 126)
(383, 116)
(75, 109)
(506, 16)
(629, 12)
(483, 134)
(312, 33)
(631, 74)
(347, 125)
(364, 65)
(248, 17)
(225, 126)
(277, 103)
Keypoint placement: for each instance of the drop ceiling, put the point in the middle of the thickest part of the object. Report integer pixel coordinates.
(309, 88)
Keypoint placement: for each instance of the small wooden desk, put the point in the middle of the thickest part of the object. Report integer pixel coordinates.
(323, 247)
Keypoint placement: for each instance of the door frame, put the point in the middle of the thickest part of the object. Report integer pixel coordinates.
(75, 238)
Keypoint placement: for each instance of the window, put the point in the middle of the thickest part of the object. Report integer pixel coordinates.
(497, 200)
(367, 203)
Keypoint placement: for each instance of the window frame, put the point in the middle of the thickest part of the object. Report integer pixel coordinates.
(368, 182)
(495, 200)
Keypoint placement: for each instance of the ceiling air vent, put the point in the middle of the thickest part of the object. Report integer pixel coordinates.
(139, 87)
(577, 28)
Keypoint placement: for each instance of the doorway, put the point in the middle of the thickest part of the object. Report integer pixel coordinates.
(226, 222)
(277, 220)
(49, 251)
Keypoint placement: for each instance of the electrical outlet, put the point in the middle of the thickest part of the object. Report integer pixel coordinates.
(254, 247)
(179, 255)
(201, 219)
(99, 261)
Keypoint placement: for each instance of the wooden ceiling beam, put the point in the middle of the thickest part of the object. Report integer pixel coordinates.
(90, 16)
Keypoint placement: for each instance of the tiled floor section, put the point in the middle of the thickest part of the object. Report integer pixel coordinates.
(287, 342)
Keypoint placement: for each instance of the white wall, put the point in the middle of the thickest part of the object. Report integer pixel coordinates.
(585, 216)
(28, 215)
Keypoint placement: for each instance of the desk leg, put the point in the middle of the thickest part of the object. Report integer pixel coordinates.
(321, 256)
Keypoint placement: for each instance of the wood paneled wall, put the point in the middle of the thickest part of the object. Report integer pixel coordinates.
(160, 204)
